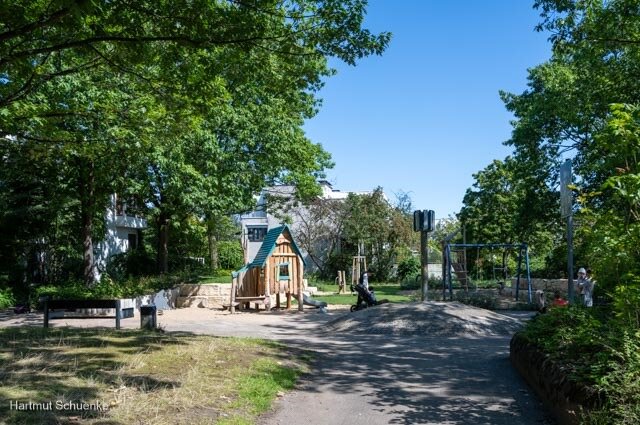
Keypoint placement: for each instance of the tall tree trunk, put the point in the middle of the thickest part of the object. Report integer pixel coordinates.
(87, 202)
(163, 243)
(504, 265)
(213, 248)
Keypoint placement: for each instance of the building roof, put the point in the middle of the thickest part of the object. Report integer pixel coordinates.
(269, 245)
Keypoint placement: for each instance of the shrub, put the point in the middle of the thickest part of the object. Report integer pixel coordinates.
(408, 268)
(109, 289)
(132, 263)
(598, 351)
(230, 255)
(6, 298)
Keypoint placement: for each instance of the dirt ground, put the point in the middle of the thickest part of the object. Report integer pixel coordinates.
(197, 320)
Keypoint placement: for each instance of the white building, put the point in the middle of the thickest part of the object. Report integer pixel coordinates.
(269, 214)
(123, 233)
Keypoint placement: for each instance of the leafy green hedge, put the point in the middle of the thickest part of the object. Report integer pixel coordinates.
(598, 351)
(108, 289)
(6, 298)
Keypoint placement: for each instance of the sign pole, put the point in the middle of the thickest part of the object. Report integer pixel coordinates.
(566, 209)
(570, 291)
(424, 222)
(424, 258)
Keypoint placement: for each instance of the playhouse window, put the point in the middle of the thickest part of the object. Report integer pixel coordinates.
(283, 271)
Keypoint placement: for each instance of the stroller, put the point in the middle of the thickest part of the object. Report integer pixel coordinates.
(365, 298)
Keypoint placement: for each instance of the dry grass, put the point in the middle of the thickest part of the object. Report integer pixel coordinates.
(141, 377)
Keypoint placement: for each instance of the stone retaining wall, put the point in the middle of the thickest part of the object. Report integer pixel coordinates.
(547, 285)
(210, 296)
(564, 398)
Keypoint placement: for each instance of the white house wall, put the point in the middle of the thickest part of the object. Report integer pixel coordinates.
(116, 241)
(261, 217)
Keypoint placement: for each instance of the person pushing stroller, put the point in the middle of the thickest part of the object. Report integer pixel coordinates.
(366, 294)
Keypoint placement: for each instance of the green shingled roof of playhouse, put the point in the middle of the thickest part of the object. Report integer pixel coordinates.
(269, 245)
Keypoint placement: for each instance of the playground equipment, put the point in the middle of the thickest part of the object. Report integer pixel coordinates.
(341, 281)
(278, 269)
(454, 257)
(358, 266)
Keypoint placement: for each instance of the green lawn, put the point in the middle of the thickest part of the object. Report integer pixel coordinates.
(217, 278)
(389, 291)
(140, 377)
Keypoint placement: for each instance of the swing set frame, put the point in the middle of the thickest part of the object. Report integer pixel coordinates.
(523, 255)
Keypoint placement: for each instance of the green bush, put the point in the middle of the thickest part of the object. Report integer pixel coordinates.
(230, 255)
(109, 289)
(415, 283)
(597, 350)
(132, 263)
(6, 298)
(408, 268)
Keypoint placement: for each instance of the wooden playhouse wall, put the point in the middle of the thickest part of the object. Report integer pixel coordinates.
(249, 283)
(284, 253)
(253, 282)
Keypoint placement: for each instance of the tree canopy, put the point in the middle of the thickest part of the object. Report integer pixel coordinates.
(190, 107)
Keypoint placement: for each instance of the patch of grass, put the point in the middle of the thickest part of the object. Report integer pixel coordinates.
(221, 276)
(387, 291)
(141, 377)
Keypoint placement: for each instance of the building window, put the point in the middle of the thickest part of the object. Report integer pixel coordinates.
(283, 271)
(256, 234)
(133, 241)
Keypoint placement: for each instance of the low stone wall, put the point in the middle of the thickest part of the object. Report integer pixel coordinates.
(163, 300)
(210, 296)
(547, 285)
(564, 398)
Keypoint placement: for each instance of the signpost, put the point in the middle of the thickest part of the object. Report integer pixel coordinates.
(424, 222)
(566, 210)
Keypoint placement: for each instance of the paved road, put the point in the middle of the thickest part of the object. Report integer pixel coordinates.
(373, 379)
(377, 379)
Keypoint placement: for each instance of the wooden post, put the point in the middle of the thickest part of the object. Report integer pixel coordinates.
(118, 314)
(46, 312)
(300, 277)
(267, 286)
(289, 300)
(444, 272)
(234, 283)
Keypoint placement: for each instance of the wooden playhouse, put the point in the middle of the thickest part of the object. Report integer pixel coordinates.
(277, 269)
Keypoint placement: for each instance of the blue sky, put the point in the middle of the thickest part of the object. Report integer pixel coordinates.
(426, 115)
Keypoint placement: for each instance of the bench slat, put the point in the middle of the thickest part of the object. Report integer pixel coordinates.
(76, 304)
(73, 304)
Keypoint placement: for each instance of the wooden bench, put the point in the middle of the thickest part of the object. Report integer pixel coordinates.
(246, 301)
(66, 305)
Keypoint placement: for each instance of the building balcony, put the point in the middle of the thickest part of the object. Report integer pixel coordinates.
(130, 222)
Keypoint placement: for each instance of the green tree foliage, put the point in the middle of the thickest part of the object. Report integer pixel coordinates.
(408, 268)
(613, 211)
(507, 206)
(584, 103)
(191, 107)
(231, 256)
(382, 229)
(566, 106)
(41, 41)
